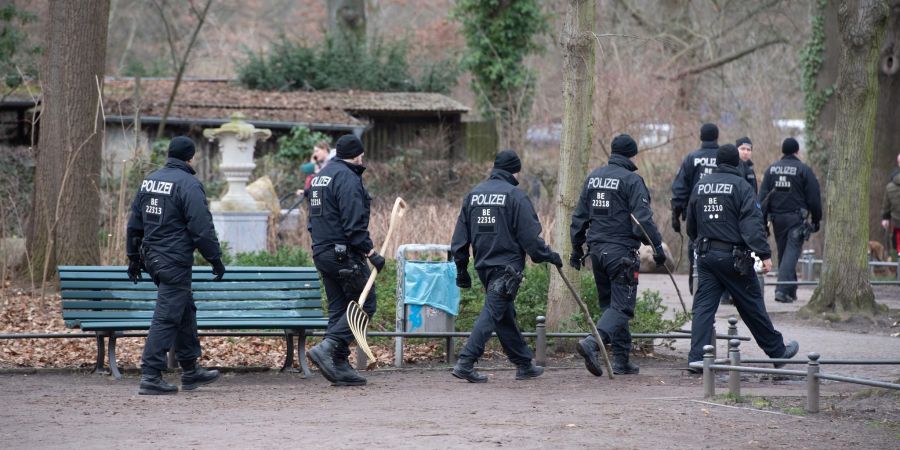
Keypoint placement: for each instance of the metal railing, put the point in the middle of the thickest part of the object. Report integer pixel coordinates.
(540, 335)
(812, 373)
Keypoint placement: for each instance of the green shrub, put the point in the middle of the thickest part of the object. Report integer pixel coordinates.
(343, 64)
(284, 256)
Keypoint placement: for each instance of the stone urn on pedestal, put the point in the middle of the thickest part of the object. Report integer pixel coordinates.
(240, 220)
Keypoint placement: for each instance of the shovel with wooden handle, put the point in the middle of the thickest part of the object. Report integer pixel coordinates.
(356, 317)
(587, 316)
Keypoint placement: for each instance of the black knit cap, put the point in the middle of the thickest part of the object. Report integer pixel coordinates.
(709, 132)
(728, 154)
(348, 147)
(509, 161)
(742, 141)
(790, 146)
(624, 145)
(182, 147)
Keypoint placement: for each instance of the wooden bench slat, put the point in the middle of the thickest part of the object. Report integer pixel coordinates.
(207, 269)
(197, 276)
(207, 295)
(201, 305)
(254, 324)
(205, 314)
(223, 285)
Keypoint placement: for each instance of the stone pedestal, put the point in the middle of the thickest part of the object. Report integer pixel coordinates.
(240, 220)
(244, 231)
(237, 140)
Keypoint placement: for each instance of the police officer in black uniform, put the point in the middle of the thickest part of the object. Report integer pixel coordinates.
(602, 218)
(791, 199)
(169, 219)
(500, 224)
(339, 208)
(745, 149)
(725, 222)
(695, 166)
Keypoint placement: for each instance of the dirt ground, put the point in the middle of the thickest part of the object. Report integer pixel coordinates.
(424, 407)
(566, 408)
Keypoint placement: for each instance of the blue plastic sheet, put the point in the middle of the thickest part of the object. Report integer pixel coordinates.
(432, 284)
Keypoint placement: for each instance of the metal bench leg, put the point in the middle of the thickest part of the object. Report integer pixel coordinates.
(289, 355)
(113, 367)
(301, 352)
(100, 367)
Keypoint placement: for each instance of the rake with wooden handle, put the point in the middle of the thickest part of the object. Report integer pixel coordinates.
(587, 316)
(356, 317)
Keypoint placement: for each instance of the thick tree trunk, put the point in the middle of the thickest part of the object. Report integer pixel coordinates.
(65, 226)
(575, 143)
(844, 288)
(887, 131)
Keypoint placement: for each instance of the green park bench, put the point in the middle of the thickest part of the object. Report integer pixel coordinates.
(102, 300)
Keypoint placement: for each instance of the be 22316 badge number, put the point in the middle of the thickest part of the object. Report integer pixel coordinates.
(486, 219)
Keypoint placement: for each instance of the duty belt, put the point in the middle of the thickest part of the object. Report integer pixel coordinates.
(721, 245)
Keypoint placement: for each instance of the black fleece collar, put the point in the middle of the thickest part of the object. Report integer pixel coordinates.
(176, 163)
(500, 174)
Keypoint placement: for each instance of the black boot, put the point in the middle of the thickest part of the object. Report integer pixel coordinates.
(344, 372)
(465, 370)
(155, 385)
(529, 370)
(322, 356)
(790, 350)
(588, 349)
(194, 376)
(621, 365)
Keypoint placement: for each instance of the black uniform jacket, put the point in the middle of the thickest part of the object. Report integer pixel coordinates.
(500, 224)
(339, 208)
(170, 217)
(724, 208)
(788, 186)
(696, 165)
(749, 174)
(610, 195)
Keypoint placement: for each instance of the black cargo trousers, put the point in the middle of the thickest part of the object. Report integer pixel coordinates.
(344, 282)
(717, 274)
(789, 239)
(615, 270)
(174, 318)
(497, 315)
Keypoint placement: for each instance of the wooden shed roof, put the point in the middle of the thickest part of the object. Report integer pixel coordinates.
(213, 99)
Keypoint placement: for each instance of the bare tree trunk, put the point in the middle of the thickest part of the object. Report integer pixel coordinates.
(64, 228)
(887, 133)
(845, 287)
(575, 144)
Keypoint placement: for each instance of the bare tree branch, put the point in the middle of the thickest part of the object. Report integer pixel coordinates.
(184, 60)
(170, 32)
(724, 59)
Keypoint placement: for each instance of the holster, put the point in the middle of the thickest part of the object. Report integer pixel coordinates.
(352, 279)
(507, 284)
(629, 271)
(743, 261)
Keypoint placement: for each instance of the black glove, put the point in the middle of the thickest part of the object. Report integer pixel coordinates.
(134, 270)
(659, 256)
(815, 227)
(555, 259)
(676, 219)
(377, 261)
(463, 279)
(218, 269)
(576, 257)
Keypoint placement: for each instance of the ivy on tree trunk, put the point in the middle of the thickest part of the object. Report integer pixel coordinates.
(844, 288)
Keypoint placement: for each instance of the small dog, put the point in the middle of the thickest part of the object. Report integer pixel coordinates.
(878, 253)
